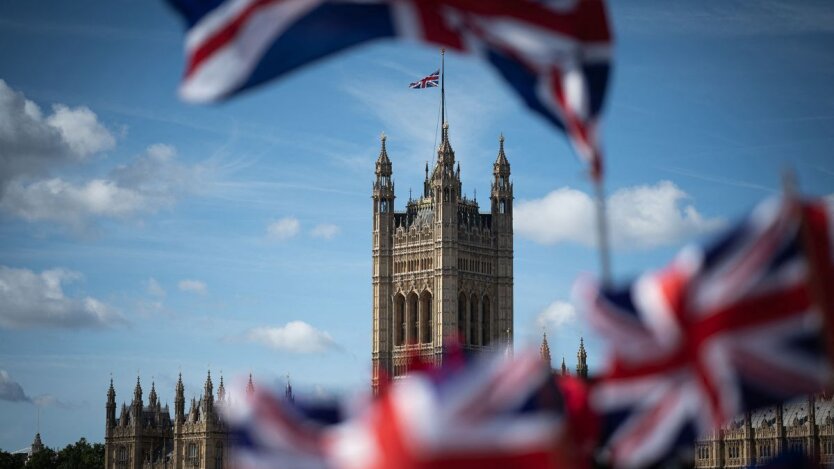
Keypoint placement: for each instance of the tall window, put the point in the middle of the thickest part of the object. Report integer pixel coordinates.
(192, 459)
(462, 317)
(486, 323)
(412, 318)
(218, 456)
(426, 317)
(399, 320)
(474, 338)
(121, 457)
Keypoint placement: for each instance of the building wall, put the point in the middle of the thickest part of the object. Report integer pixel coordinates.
(805, 425)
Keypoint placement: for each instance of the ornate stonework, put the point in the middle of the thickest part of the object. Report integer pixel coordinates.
(805, 425)
(146, 437)
(442, 270)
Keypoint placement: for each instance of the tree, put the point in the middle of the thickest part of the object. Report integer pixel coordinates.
(81, 455)
(43, 459)
(11, 461)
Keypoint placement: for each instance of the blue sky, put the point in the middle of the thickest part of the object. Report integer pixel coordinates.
(141, 234)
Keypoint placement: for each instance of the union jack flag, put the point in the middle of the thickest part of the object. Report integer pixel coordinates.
(555, 54)
(723, 330)
(431, 81)
(497, 413)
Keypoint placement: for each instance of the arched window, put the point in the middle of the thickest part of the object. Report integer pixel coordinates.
(502, 206)
(462, 317)
(192, 458)
(413, 303)
(486, 322)
(426, 317)
(399, 319)
(121, 457)
(474, 337)
(218, 456)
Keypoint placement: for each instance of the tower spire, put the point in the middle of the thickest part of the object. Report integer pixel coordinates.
(582, 360)
(544, 349)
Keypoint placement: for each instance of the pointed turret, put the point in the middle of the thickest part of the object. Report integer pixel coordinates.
(137, 394)
(564, 371)
(111, 406)
(208, 395)
(221, 390)
(288, 395)
(179, 402)
(250, 388)
(581, 360)
(152, 397)
(445, 152)
(37, 444)
(502, 188)
(383, 163)
(544, 350)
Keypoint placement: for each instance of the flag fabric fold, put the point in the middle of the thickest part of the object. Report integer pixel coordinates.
(721, 331)
(495, 413)
(430, 81)
(556, 55)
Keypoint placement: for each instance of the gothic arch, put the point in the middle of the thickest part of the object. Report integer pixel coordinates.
(399, 319)
(462, 317)
(486, 321)
(426, 317)
(473, 321)
(412, 305)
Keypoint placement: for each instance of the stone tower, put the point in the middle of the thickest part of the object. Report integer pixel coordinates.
(442, 271)
(582, 360)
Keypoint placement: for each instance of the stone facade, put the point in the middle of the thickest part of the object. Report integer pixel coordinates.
(442, 270)
(805, 425)
(146, 437)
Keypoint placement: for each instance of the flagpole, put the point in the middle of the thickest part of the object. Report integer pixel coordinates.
(442, 87)
(602, 230)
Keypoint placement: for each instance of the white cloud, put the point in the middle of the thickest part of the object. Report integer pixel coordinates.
(556, 315)
(283, 229)
(193, 286)
(639, 217)
(325, 231)
(81, 130)
(295, 337)
(32, 299)
(151, 181)
(33, 144)
(155, 289)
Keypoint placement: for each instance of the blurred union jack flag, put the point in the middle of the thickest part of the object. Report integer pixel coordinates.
(497, 413)
(722, 330)
(431, 81)
(555, 54)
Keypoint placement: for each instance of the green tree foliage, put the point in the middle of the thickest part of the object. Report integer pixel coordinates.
(81, 455)
(11, 461)
(43, 459)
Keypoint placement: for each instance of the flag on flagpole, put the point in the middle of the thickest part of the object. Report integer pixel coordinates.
(430, 81)
(556, 58)
(721, 331)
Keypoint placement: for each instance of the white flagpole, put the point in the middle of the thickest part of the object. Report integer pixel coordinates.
(602, 231)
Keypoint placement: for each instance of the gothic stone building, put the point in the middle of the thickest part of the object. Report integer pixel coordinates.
(146, 437)
(804, 425)
(442, 270)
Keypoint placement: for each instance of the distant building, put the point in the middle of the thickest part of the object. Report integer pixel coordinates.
(146, 437)
(581, 358)
(753, 439)
(442, 270)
